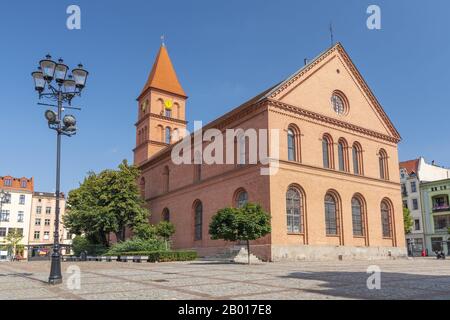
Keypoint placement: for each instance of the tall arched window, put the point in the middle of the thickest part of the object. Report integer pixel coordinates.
(382, 159)
(327, 151)
(168, 135)
(142, 187)
(342, 155)
(198, 220)
(293, 143)
(357, 159)
(166, 215)
(386, 219)
(166, 178)
(294, 211)
(358, 217)
(331, 215)
(241, 198)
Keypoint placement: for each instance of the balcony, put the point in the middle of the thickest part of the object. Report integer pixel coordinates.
(441, 208)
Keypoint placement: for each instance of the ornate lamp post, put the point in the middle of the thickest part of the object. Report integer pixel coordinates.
(52, 83)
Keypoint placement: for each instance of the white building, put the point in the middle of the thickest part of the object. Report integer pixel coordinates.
(412, 174)
(15, 210)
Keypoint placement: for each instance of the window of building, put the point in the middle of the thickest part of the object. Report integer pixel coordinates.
(358, 217)
(166, 215)
(7, 182)
(357, 159)
(291, 145)
(342, 155)
(47, 222)
(294, 211)
(37, 235)
(168, 113)
(386, 219)
(22, 199)
(416, 224)
(46, 235)
(38, 210)
(405, 204)
(198, 220)
(413, 187)
(441, 223)
(436, 244)
(331, 215)
(23, 184)
(415, 204)
(383, 166)
(168, 135)
(20, 216)
(7, 198)
(327, 152)
(339, 103)
(4, 216)
(293, 142)
(241, 198)
(48, 210)
(166, 178)
(37, 222)
(2, 232)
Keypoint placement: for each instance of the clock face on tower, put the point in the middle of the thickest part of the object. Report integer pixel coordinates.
(168, 104)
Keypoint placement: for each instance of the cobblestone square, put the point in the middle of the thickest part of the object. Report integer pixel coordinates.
(400, 279)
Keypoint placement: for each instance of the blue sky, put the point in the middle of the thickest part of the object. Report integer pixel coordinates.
(224, 52)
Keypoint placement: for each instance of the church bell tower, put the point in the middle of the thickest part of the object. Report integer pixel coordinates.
(161, 110)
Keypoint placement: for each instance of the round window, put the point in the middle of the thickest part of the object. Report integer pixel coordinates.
(338, 104)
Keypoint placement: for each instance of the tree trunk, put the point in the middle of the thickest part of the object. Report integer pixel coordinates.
(248, 251)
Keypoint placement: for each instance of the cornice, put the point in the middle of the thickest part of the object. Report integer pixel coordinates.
(158, 116)
(322, 118)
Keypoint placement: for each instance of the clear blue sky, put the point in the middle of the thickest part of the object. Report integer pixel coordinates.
(224, 52)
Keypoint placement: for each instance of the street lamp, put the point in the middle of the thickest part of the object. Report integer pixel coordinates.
(52, 83)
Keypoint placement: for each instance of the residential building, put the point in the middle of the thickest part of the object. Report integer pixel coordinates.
(333, 191)
(436, 213)
(42, 224)
(15, 211)
(413, 173)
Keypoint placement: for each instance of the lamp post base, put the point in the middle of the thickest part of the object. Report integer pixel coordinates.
(55, 271)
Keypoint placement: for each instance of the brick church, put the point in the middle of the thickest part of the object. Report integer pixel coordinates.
(336, 192)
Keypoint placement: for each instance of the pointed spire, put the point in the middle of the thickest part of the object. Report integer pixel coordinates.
(163, 75)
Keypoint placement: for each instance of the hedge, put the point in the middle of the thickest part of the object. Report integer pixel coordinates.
(163, 256)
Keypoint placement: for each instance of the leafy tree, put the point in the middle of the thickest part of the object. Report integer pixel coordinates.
(248, 223)
(165, 230)
(13, 239)
(407, 220)
(106, 202)
(145, 231)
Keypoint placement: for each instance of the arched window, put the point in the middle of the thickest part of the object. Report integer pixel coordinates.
(382, 159)
(142, 187)
(331, 215)
(357, 159)
(293, 143)
(294, 211)
(327, 151)
(166, 215)
(358, 217)
(166, 178)
(168, 113)
(342, 155)
(386, 219)
(198, 220)
(241, 198)
(161, 132)
(168, 135)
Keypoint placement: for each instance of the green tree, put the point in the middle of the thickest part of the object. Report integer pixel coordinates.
(12, 240)
(165, 230)
(407, 220)
(106, 202)
(145, 231)
(248, 223)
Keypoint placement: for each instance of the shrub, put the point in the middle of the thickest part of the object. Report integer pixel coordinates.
(137, 245)
(161, 256)
(80, 244)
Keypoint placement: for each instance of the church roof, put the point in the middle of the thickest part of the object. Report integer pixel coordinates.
(163, 75)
